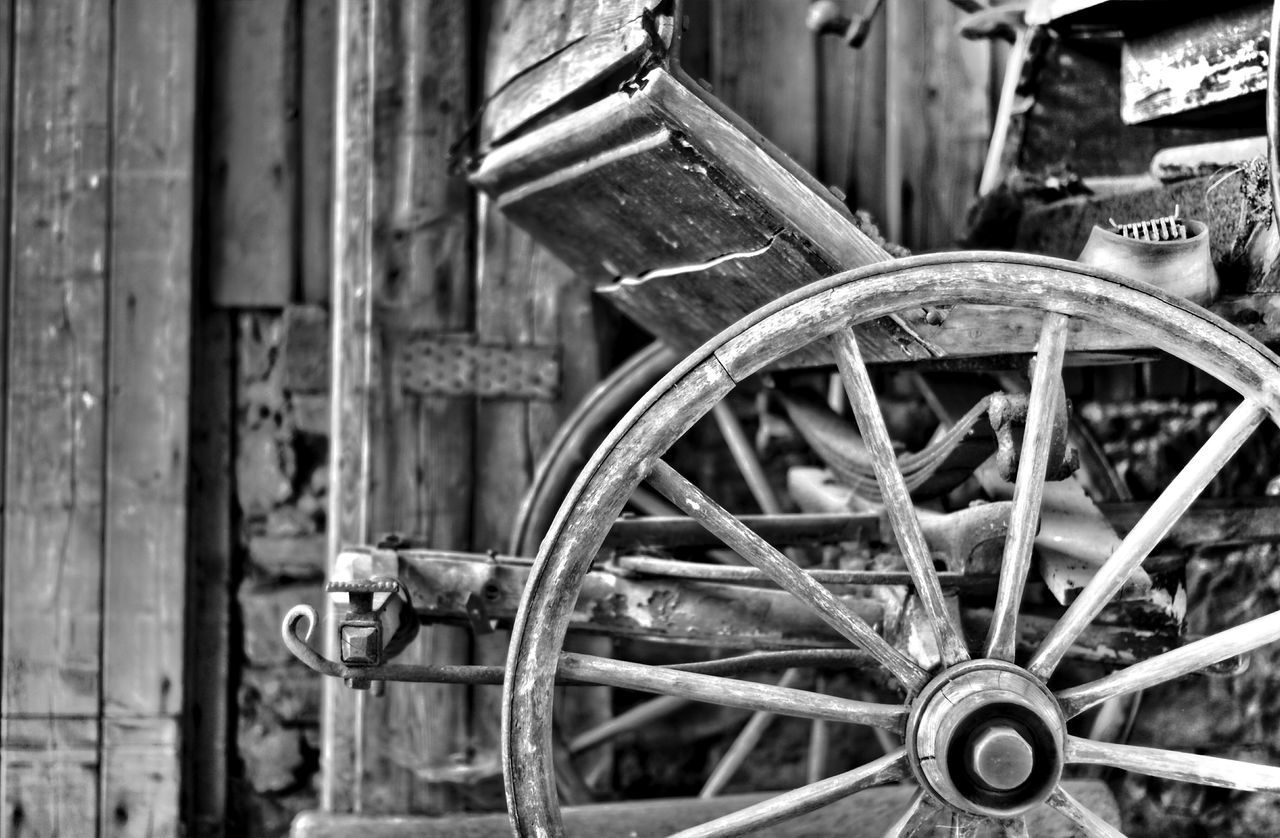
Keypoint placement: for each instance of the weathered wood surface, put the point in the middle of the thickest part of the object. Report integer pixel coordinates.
(317, 46)
(551, 51)
(253, 188)
(868, 814)
(764, 67)
(97, 389)
(1028, 491)
(422, 456)
(56, 415)
(1174, 765)
(352, 358)
(899, 508)
(152, 229)
(1214, 60)
(140, 770)
(854, 85)
(940, 102)
(50, 773)
(527, 297)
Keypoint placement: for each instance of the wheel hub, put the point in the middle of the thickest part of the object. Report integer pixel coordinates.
(987, 737)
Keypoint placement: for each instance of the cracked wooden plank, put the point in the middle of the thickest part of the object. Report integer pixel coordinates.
(659, 179)
(544, 53)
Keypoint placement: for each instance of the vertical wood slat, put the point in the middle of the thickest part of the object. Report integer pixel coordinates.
(860, 76)
(253, 208)
(523, 296)
(317, 40)
(352, 381)
(54, 475)
(942, 105)
(764, 65)
(50, 774)
(148, 376)
(424, 470)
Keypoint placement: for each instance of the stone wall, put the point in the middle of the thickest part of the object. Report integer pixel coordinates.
(281, 454)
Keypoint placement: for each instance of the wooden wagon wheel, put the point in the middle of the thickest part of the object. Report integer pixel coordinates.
(985, 736)
(564, 457)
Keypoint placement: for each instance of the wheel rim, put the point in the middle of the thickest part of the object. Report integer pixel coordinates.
(1064, 290)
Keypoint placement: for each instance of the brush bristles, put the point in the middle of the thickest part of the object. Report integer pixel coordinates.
(1163, 229)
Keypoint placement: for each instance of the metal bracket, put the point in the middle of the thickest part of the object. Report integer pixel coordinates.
(460, 365)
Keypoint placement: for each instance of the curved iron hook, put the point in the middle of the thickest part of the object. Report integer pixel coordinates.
(300, 644)
(301, 648)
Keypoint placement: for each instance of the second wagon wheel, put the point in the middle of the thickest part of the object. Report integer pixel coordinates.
(986, 737)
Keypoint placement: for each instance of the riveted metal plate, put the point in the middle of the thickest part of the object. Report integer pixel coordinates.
(460, 365)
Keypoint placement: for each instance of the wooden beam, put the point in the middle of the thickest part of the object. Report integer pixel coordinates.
(550, 51)
(423, 453)
(317, 44)
(55, 393)
(148, 377)
(253, 207)
(350, 458)
(868, 814)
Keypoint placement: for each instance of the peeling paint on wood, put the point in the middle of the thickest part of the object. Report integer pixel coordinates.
(1213, 60)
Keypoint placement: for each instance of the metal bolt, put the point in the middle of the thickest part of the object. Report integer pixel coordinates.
(361, 645)
(1000, 757)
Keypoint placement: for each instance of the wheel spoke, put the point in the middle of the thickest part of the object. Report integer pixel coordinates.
(804, 799)
(639, 716)
(1173, 664)
(1028, 489)
(918, 820)
(729, 692)
(694, 503)
(1175, 765)
(897, 499)
(819, 742)
(744, 456)
(1085, 818)
(1147, 533)
(744, 743)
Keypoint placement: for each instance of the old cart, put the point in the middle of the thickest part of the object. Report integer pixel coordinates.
(970, 600)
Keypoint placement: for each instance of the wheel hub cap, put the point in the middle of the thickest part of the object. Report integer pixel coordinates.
(987, 737)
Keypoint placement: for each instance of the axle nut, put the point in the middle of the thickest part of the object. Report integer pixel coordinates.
(1000, 757)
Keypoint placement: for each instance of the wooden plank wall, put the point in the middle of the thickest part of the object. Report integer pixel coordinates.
(100, 111)
(898, 126)
(406, 462)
